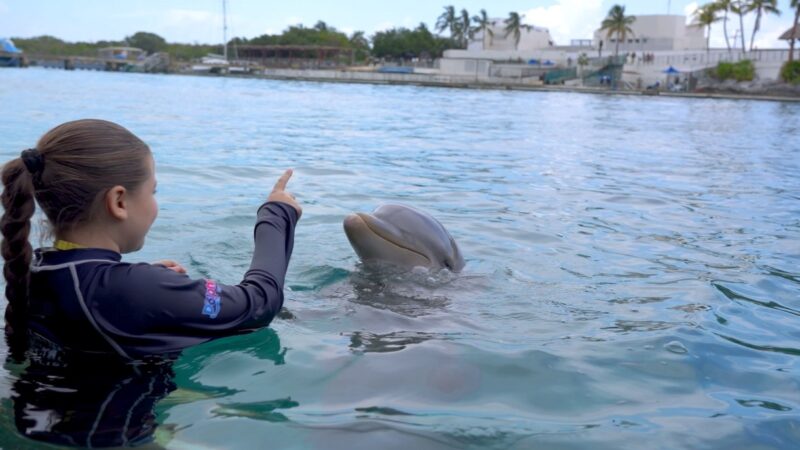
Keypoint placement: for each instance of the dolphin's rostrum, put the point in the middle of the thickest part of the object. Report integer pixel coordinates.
(404, 236)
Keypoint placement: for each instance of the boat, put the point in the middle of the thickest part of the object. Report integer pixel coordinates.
(219, 64)
(211, 64)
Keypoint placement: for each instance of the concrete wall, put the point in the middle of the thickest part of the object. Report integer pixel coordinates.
(389, 78)
(768, 63)
(474, 67)
(478, 63)
(533, 39)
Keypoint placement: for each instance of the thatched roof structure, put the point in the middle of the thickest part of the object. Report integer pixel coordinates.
(791, 33)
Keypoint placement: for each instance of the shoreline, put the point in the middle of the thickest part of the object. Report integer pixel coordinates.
(451, 82)
(460, 82)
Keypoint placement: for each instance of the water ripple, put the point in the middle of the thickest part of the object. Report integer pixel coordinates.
(630, 261)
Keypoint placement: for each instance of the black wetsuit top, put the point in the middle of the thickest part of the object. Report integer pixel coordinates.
(87, 300)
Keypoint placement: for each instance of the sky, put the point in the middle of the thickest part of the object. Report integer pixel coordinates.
(200, 21)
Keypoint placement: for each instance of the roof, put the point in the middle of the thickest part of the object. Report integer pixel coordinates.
(127, 49)
(291, 47)
(791, 33)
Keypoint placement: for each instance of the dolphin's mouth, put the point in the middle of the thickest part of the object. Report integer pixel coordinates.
(380, 229)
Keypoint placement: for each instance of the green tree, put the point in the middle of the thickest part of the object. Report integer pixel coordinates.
(149, 42)
(465, 32)
(739, 7)
(484, 25)
(704, 17)
(724, 6)
(360, 43)
(617, 23)
(448, 21)
(796, 5)
(402, 43)
(514, 27)
(761, 7)
(320, 35)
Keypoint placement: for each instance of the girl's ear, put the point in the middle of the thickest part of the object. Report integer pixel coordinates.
(116, 202)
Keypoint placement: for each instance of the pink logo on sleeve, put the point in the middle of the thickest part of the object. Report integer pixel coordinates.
(212, 303)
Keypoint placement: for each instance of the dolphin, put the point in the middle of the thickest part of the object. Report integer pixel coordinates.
(403, 236)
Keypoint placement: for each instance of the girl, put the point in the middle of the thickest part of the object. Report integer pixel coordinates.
(95, 182)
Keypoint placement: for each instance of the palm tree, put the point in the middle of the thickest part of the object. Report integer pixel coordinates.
(761, 7)
(514, 26)
(617, 23)
(483, 24)
(465, 30)
(724, 6)
(706, 16)
(796, 5)
(448, 21)
(739, 7)
(359, 41)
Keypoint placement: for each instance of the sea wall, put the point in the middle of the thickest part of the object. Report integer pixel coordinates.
(426, 79)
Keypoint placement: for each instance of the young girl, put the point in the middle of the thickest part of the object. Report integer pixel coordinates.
(95, 182)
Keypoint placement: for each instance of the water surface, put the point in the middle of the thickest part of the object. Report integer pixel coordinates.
(632, 263)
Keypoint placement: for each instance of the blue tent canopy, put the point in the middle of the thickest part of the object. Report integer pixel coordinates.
(671, 70)
(7, 45)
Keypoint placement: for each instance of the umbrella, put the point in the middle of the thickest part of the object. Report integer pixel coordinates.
(673, 71)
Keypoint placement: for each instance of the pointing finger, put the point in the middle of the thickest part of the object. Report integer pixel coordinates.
(283, 180)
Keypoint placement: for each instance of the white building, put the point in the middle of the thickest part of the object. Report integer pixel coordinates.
(655, 33)
(534, 38)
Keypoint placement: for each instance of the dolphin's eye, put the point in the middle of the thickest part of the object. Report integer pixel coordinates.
(447, 266)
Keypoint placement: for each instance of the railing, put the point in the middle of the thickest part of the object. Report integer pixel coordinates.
(708, 59)
(560, 75)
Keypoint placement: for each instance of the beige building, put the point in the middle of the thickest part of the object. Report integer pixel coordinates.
(535, 38)
(655, 33)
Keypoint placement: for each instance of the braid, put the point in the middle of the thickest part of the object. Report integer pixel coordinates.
(15, 225)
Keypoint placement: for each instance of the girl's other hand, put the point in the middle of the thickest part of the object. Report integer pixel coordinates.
(280, 194)
(171, 265)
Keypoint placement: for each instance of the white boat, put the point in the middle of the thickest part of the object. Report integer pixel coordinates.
(211, 64)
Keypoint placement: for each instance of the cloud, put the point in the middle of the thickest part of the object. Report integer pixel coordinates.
(568, 19)
(190, 25)
(689, 10)
(192, 16)
(771, 29)
(383, 26)
(767, 37)
(293, 20)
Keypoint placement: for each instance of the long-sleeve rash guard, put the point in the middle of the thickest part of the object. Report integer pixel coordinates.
(88, 300)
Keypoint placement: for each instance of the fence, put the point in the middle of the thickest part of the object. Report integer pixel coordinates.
(712, 58)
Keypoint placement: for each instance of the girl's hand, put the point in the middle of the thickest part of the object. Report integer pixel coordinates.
(280, 194)
(171, 265)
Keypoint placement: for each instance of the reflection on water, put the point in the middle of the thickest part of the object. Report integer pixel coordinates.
(64, 398)
(631, 263)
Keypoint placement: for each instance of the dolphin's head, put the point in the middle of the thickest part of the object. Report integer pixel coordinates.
(403, 236)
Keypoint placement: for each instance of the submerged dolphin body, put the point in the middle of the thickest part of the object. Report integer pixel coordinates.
(403, 236)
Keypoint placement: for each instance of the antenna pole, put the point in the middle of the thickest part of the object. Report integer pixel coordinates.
(225, 28)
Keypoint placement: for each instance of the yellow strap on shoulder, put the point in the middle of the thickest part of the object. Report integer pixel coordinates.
(67, 245)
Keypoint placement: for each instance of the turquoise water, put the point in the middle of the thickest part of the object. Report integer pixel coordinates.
(632, 270)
